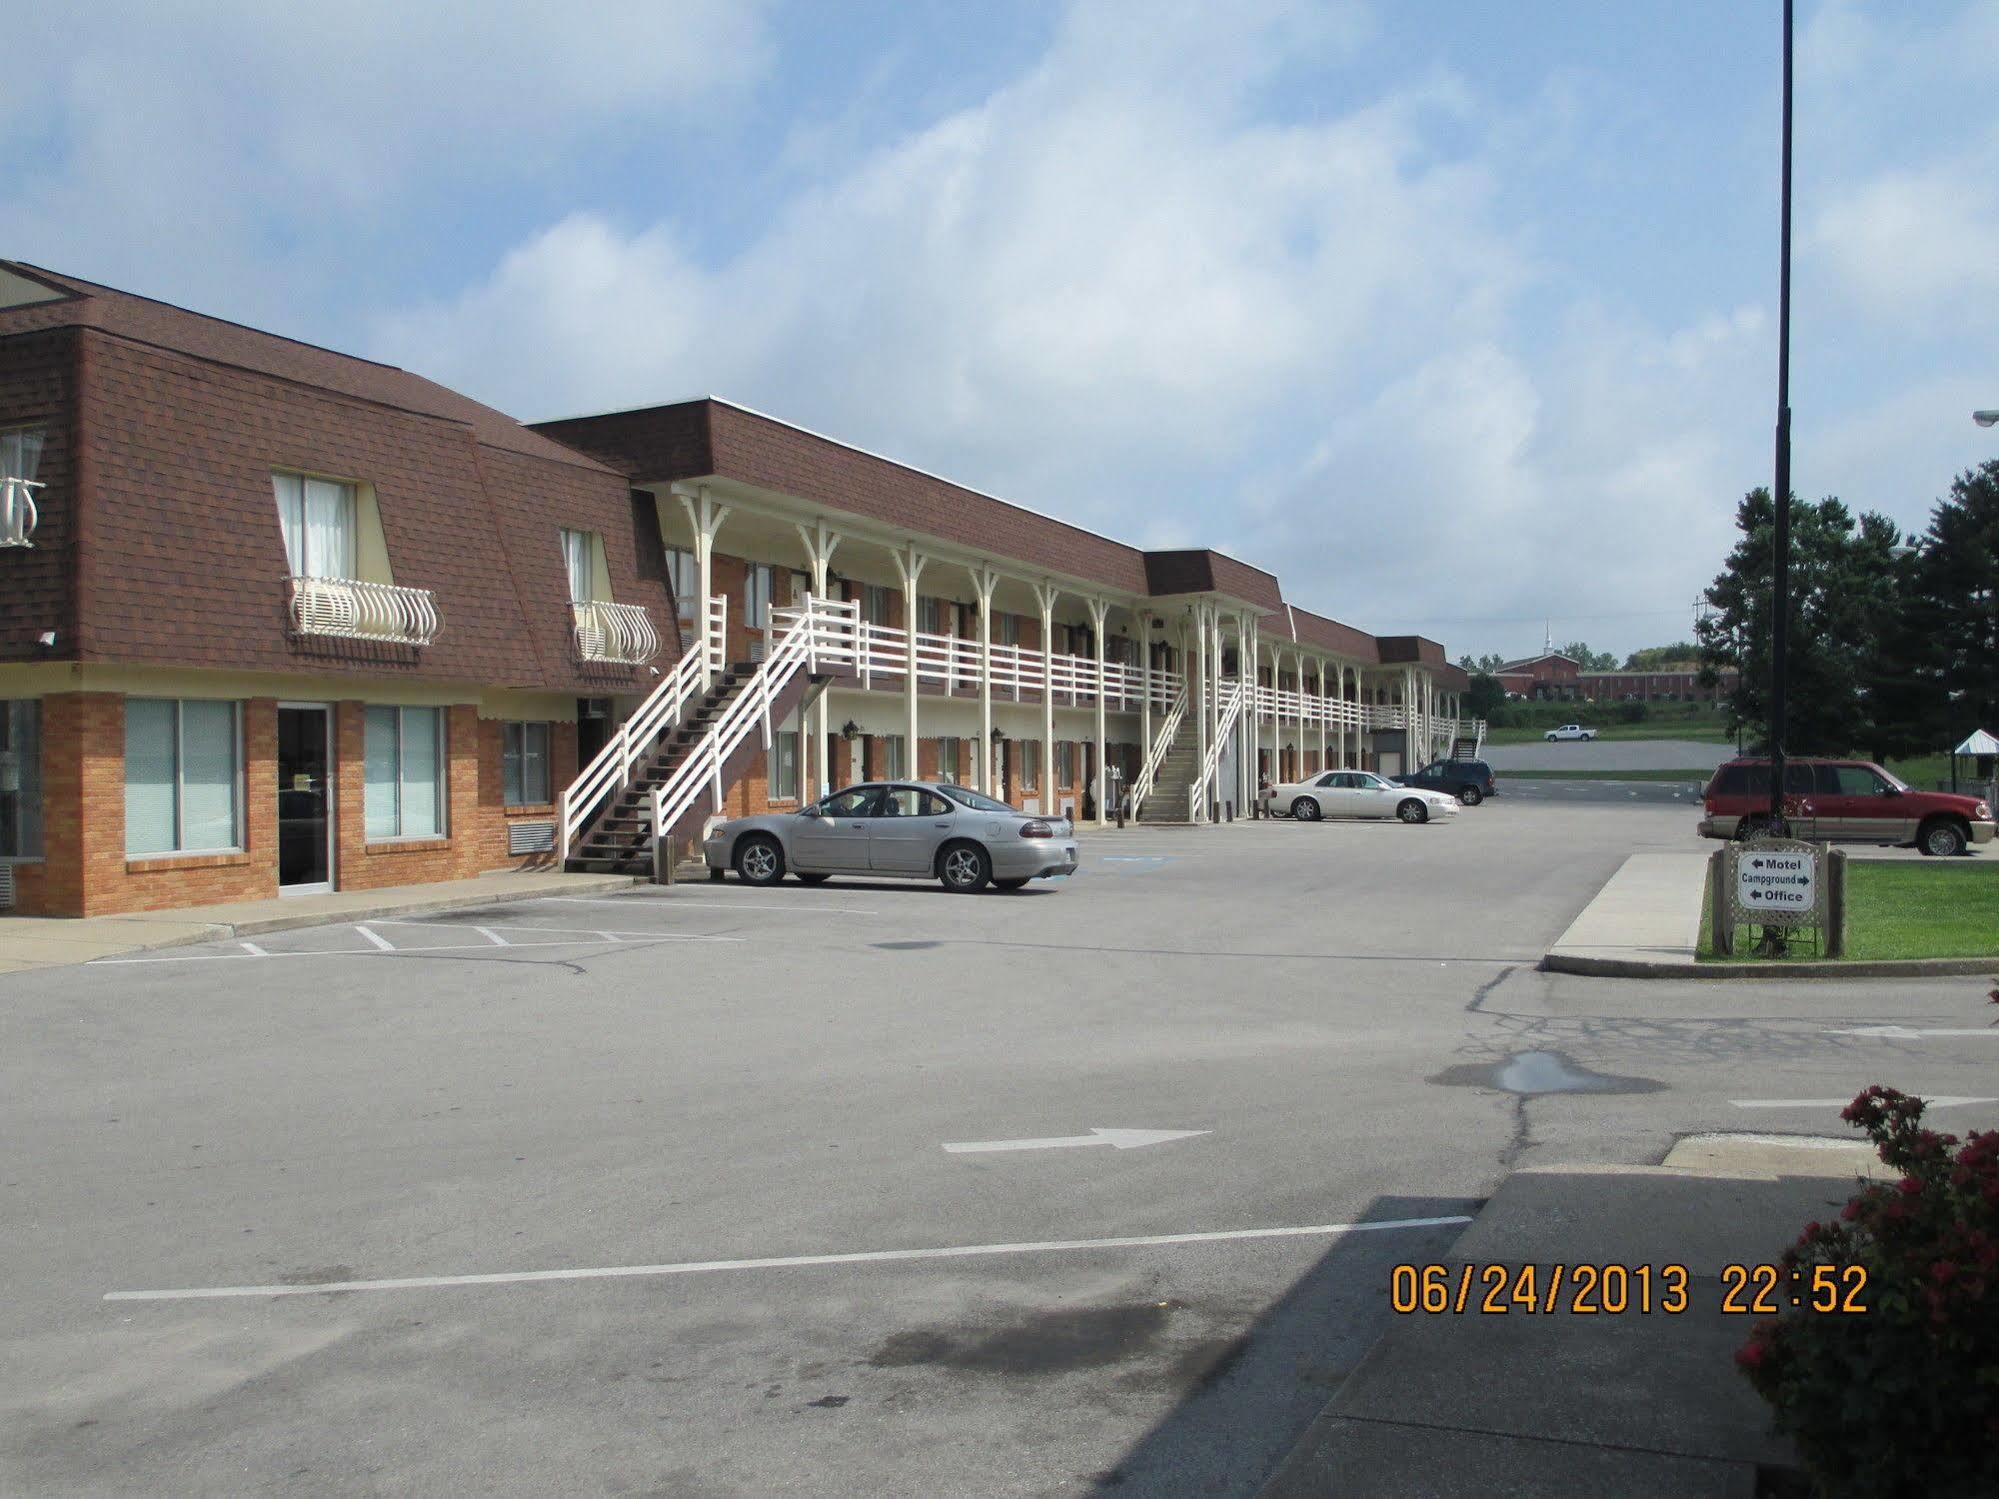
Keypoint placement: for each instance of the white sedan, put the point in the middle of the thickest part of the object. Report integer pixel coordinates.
(1359, 793)
(1569, 731)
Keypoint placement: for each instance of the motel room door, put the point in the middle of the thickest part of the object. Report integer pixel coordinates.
(305, 798)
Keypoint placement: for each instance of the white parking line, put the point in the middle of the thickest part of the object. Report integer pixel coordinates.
(253, 950)
(375, 937)
(711, 905)
(630, 939)
(785, 1262)
(492, 936)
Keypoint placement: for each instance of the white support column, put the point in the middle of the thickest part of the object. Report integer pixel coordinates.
(1204, 729)
(1099, 610)
(1144, 682)
(1249, 631)
(1323, 767)
(820, 542)
(1408, 718)
(705, 515)
(1045, 594)
(985, 580)
(909, 563)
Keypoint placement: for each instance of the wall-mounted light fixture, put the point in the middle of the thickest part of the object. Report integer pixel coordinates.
(850, 730)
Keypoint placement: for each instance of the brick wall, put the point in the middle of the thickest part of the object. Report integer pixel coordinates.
(493, 815)
(36, 583)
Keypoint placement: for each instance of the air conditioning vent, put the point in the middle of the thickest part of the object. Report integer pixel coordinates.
(530, 837)
(6, 886)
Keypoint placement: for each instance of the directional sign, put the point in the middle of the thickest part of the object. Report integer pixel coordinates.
(1122, 1139)
(1775, 882)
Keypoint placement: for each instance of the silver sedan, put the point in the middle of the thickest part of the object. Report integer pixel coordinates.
(908, 830)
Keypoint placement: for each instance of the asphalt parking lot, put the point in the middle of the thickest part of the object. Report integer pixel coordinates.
(656, 1192)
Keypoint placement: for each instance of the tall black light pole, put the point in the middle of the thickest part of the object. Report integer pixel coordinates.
(1780, 592)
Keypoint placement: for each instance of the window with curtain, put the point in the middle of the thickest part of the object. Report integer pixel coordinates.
(756, 596)
(579, 561)
(934, 616)
(404, 795)
(947, 760)
(874, 604)
(1030, 763)
(685, 579)
(1006, 629)
(524, 764)
(784, 765)
(317, 518)
(1065, 762)
(21, 779)
(182, 776)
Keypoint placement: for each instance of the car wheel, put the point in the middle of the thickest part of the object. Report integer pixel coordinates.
(1413, 811)
(759, 860)
(1471, 796)
(813, 879)
(1942, 839)
(1306, 809)
(964, 867)
(1012, 884)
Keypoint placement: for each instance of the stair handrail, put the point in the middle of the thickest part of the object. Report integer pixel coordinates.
(1155, 755)
(821, 635)
(610, 769)
(1229, 701)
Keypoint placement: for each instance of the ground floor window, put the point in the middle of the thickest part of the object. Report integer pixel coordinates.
(1065, 762)
(183, 782)
(405, 755)
(894, 761)
(947, 760)
(1030, 764)
(524, 763)
(784, 766)
(21, 779)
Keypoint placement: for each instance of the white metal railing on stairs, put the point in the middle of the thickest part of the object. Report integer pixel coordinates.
(1155, 755)
(610, 770)
(818, 637)
(618, 633)
(1228, 708)
(18, 515)
(349, 609)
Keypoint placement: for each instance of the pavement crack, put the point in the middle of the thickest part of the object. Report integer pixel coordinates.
(1485, 990)
(1522, 1138)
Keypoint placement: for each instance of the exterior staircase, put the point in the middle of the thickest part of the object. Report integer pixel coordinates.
(1464, 747)
(619, 839)
(1168, 800)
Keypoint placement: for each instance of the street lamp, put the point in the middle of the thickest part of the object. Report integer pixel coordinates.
(1780, 592)
(1985, 418)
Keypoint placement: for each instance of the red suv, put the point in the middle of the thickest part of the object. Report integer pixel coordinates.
(1849, 801)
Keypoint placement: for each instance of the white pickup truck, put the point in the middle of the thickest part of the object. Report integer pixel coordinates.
(1569, 731)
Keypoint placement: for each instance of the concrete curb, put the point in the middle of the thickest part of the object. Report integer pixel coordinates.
(1880, 968)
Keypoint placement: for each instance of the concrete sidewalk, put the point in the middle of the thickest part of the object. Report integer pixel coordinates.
(1650, 912)
(32, 942)
(1559, 1403)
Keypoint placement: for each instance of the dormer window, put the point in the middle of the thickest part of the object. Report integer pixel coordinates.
(20, 460)
(319, 525)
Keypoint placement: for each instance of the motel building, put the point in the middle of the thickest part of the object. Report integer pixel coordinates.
(274, 619)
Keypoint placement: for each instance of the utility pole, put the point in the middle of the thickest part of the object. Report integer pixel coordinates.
(1780, 591)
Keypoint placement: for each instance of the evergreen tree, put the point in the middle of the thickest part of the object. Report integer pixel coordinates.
(1958, 599)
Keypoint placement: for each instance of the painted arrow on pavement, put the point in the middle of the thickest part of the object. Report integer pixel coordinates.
(1905, 1033)
(1122, 1139)
(1840, 1103)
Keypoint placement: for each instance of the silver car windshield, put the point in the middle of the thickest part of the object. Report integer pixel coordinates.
(974, 800)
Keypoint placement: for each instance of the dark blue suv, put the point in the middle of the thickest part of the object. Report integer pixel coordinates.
(1470, 781)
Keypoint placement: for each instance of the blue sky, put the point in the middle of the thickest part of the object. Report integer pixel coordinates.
(1458, 316)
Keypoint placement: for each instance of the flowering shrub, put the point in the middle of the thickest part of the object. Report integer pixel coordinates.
(1903, 1398)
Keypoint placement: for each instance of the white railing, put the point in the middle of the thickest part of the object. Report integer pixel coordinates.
(619, 633)
(352, 610)
(819, 636)
(610, 770)
(950, 663)
(18, 515)
(1229, 703)
(1155, 755)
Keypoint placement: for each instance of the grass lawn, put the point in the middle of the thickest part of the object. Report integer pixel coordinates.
(1692, 777)
(1704, 730)
(1941, 908)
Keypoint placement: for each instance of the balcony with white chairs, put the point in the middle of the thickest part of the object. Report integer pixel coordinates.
(349, 609)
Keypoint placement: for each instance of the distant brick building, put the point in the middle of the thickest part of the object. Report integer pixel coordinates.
(1554, 677)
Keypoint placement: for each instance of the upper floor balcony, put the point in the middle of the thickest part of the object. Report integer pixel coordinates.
(617, 634)
(952, 663)
(349, 609)
(18, 515)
